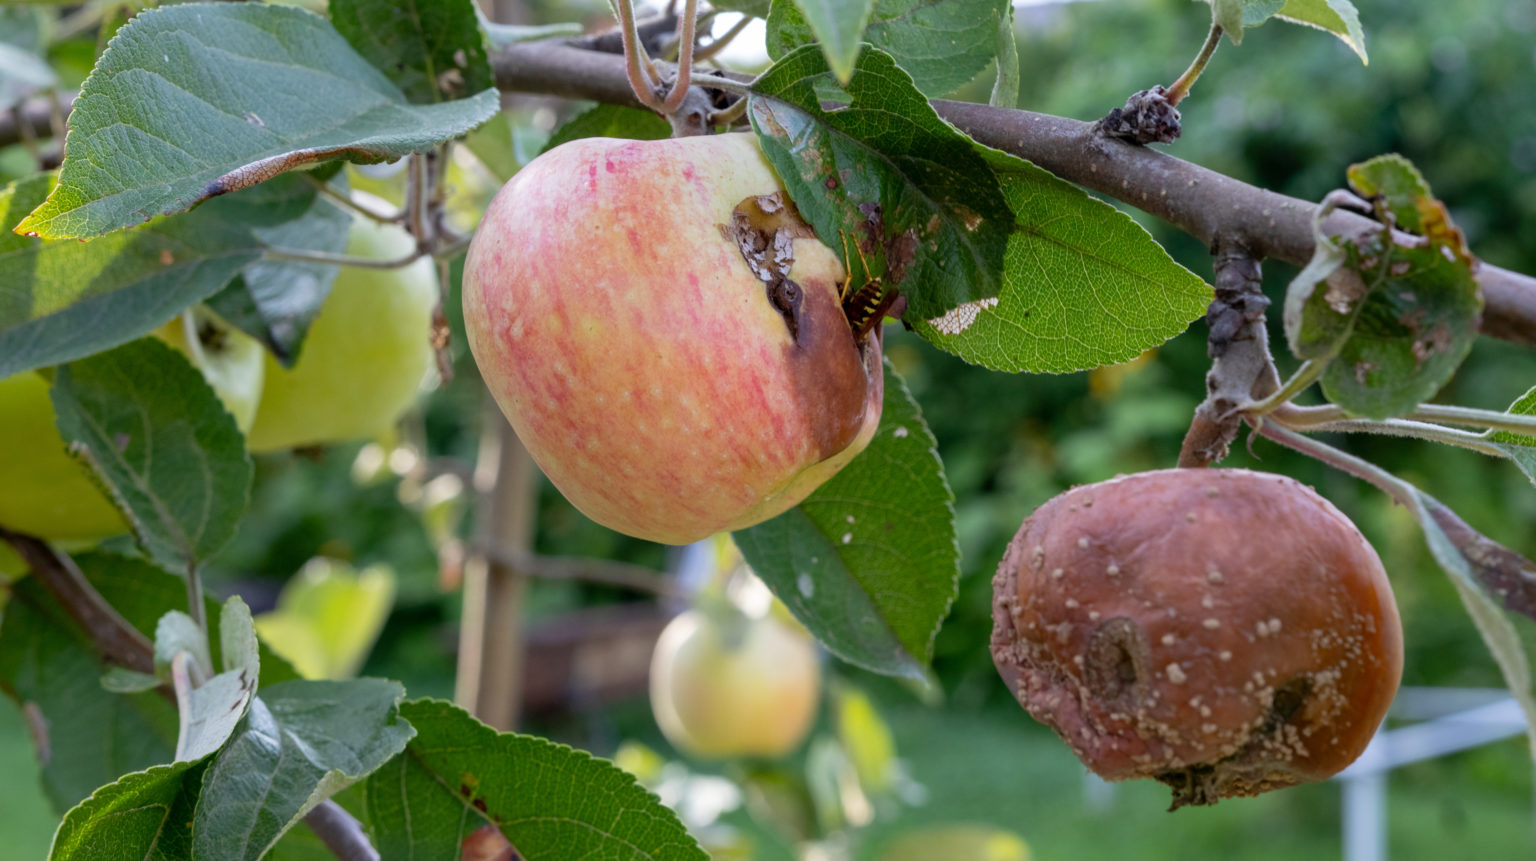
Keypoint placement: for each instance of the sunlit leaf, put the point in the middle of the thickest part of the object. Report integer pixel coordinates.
(200, 99)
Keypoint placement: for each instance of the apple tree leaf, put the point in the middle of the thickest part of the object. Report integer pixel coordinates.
(274, 301)
(885, 177)
(141, 815)
(299, 743)
(1338, 17)
(1393, 318)
(869, 562)
(1083, 285)
(610, 121)
(1521, 448)
(201, 99)
(837, 25)
(550, 801)
(156, 435)
(95, 735)
(942, 44)
(1498, 588)
(63, 300)
(434, 52)
(212, 710)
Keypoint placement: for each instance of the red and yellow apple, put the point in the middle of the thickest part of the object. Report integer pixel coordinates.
(365, 355)
(727, 685)
(665, 334)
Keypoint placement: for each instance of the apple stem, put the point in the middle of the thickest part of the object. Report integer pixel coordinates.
(643, 77)
(442, 338)
(685, 28)
(1180, 88)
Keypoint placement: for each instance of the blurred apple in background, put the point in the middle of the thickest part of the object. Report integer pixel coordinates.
(366, 353)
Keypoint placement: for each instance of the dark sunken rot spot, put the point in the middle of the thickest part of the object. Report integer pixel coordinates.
(1113, 664)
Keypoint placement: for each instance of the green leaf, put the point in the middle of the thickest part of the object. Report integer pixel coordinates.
(610, 121)
(502, 35)
(63, 300)
(1520, 448)
(433, 52)
(942, 44)
(869, 562)
(46, 659)
(300, 743)
(143, 815)
(885, 177)
(93, 735)
(1083, 285)
(210, 712)
(211, 98)
(177, 632)
(1338, 17)
(158, 437)
(755, 8)
(838, 25)
(1228, 15)
(1393, 319)
(274, 301)
(121, 680)
(553, 803)
(1498, 587)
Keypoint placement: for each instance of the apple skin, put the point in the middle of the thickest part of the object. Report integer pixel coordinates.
(724, 685)
(43, 491)
(231, 361)
(365, 355)
(638, 356)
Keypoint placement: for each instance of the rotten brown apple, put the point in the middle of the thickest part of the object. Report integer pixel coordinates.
(1226, 632)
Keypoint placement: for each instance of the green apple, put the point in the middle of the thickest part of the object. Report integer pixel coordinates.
(231, 361)
(365, 355)
(43, 490)
(666, 335)
(726, 685)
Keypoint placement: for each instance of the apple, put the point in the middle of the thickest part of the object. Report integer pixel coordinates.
(727, 685)
(366, 353)
(231, 361)
(44, 491)
(665, 334)
(1225, 632)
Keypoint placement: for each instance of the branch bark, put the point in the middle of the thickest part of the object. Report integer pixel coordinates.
(120, 643)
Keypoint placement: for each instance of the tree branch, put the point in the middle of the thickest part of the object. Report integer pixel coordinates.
(1201, 202)
(120, 643)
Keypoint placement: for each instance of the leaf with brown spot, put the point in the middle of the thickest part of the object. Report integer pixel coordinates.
(1399, 314)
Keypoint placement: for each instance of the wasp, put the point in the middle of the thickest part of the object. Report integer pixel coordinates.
(865, 306)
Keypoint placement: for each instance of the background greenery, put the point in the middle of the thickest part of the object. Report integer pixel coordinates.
(1448, 86)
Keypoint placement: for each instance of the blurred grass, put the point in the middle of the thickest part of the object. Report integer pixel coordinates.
(999, 767)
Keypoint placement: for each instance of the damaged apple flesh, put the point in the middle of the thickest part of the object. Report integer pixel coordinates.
(1226, 632)
(665, 335)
